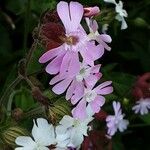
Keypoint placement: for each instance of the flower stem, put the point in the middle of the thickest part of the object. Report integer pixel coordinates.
(9, 90)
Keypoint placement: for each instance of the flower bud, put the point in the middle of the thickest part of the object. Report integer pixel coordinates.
(141, 22)
(91, 11)
(59, 110)
(9, 135)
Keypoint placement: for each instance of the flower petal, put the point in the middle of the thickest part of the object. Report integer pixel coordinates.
(50, 54)
(76, 13)
(43, 132)
(79, 112)
(54, 66)
(61, 86)
(25, 141)
(97, 103)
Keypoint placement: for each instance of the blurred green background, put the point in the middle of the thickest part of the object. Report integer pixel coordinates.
(130, 55)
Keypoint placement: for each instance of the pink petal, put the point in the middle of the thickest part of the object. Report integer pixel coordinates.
(54, 66)
(102, 43)
(87, 57)
(98, 52)
(78, 92)
(106, 38)
(65, 63)
(91, 80)
(56, 79)
(70, 90)
(94, 25)
(102, 85)
(74, 66)
(76, 13)
(105, 91)
(61, 86)
(97, 103)
(79, 112)
(70, 15)
(64, 14)
(51, 54)
(96, 68)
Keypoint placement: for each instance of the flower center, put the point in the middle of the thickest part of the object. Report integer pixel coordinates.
(84, 72)
(90, 95)
(70, 40)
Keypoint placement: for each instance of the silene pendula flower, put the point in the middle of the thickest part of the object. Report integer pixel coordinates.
(121, 13)
(92, 100)
(65, 58)
(76, 84)
(102, 39)
(116, 122)
(142, 106)
(43, 136)
(76, 129)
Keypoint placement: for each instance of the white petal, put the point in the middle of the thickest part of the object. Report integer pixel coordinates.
(26, 142)
(43, 132)
(76, 139)
(110, 1)
(67, 121)
(124, 24)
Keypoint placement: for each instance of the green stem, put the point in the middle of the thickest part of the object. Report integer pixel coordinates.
(9, 90)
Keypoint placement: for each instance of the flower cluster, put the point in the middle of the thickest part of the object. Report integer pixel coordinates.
(73, 63)
(68, 134)
(71, 60)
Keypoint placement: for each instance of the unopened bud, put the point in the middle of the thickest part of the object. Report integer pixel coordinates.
(125, 101)
(141, 22)
(59, 110)
(91, 11)
(9, 135)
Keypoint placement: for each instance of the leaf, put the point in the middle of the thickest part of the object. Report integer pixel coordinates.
(23, 99)
(109, 67)
(16, 7)
(34, 64)
(146, 118)
(129, 55)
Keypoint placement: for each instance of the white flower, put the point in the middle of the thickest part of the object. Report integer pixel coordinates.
(76, 129)
(43, 136)
(116, 122)
(121, 13)
(142, 106)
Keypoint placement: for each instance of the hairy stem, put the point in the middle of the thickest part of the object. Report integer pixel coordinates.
(9, 90)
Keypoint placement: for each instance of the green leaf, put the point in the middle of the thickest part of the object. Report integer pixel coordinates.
(109, 67)
(16, 7)
(23, 99)
(146, 118)
(34, 64)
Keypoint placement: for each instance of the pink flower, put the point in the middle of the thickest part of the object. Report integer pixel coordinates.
(66, 57)
(102, 39)
(91, 11)
(116, 122)
(92, 101)
(75, 84)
